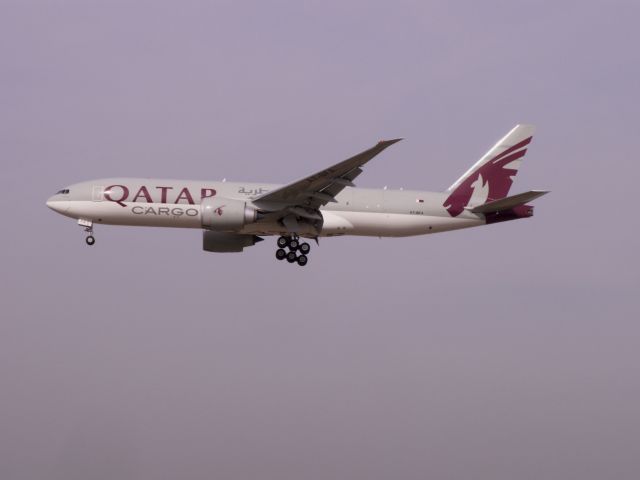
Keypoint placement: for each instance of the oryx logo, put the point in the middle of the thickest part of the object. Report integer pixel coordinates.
(219, 211)
(490, 181)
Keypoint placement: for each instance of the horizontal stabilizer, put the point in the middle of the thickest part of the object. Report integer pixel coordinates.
(508, 202)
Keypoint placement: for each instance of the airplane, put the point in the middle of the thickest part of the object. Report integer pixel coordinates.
(234, 216)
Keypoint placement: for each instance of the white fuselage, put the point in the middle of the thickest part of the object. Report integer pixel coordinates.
(176, 203)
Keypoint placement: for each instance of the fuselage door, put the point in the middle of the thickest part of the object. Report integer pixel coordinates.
(97, 194)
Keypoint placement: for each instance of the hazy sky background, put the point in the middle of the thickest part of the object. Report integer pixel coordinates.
(510, 351)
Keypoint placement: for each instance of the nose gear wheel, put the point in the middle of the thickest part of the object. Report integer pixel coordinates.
(88, 228)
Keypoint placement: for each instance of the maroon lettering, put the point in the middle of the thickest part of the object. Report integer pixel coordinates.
(163, 193)
(108, 192)
(207, 192)
(143, 192)
(185, 195)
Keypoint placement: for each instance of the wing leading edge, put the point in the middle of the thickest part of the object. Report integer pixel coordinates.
(316, 190)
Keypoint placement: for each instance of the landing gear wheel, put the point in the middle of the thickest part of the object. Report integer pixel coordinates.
(294, 244)
(281, 254)
(283, 242)
(302, 260)
(304, 248)
(291, 257)
(90, 240)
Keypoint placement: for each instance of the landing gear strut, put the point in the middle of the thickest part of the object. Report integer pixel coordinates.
(294, 245)
(88, 227)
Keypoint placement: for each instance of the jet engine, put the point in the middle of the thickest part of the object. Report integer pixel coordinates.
(223, 242)
(226, 214)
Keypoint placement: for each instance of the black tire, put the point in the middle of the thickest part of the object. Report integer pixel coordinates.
(302, 260)
(281, 254)
(291, 257)
(283, 242)
(294, 244)
(90, 240)
(304, 248)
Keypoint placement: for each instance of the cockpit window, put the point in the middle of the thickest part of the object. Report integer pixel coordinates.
(62, 192)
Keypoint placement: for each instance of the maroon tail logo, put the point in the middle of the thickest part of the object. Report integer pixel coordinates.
(219, 210)
(493, 173)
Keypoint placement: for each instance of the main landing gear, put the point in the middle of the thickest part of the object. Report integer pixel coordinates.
(294, 246)
(88, 227)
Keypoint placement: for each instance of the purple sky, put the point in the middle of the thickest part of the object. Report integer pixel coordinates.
(503, 352)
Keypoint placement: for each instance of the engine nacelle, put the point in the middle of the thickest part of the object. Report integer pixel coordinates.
(226, 214)
(224, 242)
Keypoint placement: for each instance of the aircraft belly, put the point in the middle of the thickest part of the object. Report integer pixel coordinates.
(380, 224)
(275, 228)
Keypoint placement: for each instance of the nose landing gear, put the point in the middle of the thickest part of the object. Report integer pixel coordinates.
(88, 227)
(294, 245)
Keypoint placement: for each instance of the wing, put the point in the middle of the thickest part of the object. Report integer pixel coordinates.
(318, 189)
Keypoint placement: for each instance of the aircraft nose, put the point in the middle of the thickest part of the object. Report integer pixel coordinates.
(57, 205)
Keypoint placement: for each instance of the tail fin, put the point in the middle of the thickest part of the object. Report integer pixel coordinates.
(491, 177)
